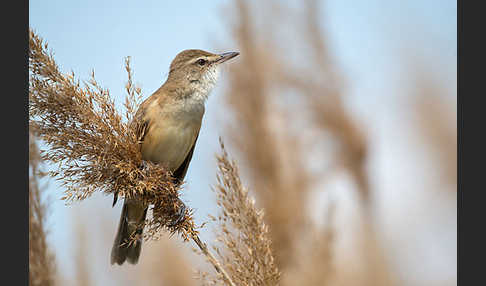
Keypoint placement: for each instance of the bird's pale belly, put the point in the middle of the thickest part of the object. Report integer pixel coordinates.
(170, 144)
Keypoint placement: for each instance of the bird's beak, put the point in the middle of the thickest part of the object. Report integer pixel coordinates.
(226, 56)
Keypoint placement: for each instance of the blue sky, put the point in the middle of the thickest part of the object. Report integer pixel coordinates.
(97, 35)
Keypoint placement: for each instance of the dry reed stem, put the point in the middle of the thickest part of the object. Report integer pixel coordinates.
(315, 265)
(246, 246)
(327, 99)
(166, 263)
(41, 261)
(436, 123)
(83, 277)
(282, 193)
(256, 91)
(210, 257)
(354, 147)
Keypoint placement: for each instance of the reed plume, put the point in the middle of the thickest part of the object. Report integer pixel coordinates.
(287, 113)
(93, 146)
(244, 242)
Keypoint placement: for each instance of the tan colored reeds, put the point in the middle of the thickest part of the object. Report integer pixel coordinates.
(275, 99)
(287, 115)
(245, 246)
(436, 121)
(93, 147)
(42, 268)
(166, 262)
(83, 275)
(260, 142)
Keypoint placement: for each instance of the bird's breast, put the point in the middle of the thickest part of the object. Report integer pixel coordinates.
(170, 138)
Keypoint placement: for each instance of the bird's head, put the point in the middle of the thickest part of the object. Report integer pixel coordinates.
(197, 71)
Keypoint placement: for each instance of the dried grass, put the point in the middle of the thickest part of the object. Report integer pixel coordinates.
(268, 95)
(166, 263)
(83, 277)
(436, 122)
(249, 97)
(314, 266)
(95, 149)
(42, 268)
(245, 249)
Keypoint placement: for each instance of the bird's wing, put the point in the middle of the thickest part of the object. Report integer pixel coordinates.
(140, 124)
(180, 173)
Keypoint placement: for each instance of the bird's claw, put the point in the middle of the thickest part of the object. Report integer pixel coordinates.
(144, 165)
(180, 215)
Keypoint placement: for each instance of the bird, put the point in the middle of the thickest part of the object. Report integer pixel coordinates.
(168, 127)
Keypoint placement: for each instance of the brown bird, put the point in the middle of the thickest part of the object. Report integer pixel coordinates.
(169, 122)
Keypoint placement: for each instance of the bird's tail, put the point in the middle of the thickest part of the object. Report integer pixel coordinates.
(131, 223)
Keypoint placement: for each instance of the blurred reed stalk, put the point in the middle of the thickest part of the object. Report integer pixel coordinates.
(249, 97)
(435, 118)
(83, 277)
(167, 264)
(244, 243)
(42, 269)
(269, 95)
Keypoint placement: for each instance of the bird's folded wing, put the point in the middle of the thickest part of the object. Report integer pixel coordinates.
(141, 124)
(180, 173)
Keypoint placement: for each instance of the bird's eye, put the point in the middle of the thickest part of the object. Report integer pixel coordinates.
(201, 62)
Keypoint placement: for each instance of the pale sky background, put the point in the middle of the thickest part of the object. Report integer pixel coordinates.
(99, 34)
